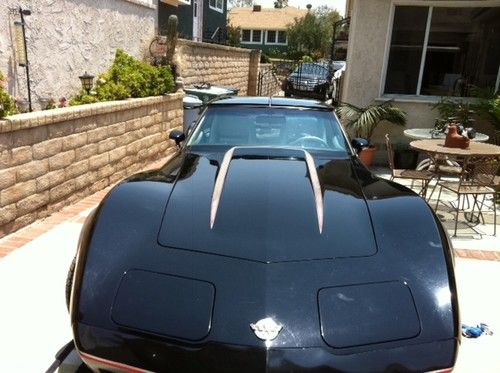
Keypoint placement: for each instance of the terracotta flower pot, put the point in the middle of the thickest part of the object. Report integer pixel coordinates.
(366, 155)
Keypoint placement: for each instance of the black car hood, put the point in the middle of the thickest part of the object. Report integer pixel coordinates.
(267, 211)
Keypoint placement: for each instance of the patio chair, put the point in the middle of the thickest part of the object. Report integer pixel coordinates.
(477, 179)
(424, 176)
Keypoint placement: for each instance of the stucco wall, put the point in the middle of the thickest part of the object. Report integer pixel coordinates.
(217, 64)
(65, 38)
(49, 159)
(368, 36)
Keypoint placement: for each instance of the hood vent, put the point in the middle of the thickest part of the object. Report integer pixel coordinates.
(221, 177)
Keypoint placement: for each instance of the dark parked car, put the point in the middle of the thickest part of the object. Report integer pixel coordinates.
(311, 79)
(264, 245)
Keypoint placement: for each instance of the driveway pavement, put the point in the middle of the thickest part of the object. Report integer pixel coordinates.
(34, 322)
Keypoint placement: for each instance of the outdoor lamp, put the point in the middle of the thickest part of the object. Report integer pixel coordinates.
(87, 81)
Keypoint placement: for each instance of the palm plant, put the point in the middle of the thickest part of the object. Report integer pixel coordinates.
(363, 120)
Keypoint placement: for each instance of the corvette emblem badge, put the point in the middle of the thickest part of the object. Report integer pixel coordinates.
(266, 329)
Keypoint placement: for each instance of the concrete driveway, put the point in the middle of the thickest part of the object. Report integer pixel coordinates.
(34, 322)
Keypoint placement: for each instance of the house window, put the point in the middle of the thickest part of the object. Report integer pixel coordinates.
(217, 5)
(251, 36)
(271, 37)
(282, 37)
(276, 37)
(246, 36)
(443, 51)
(256, 36)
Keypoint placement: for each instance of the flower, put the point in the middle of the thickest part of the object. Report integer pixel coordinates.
(63, 102)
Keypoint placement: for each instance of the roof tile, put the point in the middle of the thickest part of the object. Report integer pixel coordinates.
(265, 19)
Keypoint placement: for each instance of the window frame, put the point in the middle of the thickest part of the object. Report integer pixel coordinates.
(217, 9)
(276, 38)
(430, 5)
(251, 37)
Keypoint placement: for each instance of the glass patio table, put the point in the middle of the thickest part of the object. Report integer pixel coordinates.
(427, 134)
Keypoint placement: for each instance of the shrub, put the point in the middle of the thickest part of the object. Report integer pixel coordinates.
(128, 77)
(7, 103)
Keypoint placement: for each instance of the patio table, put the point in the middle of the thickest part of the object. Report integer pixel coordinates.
(436, 147)
(427, 134)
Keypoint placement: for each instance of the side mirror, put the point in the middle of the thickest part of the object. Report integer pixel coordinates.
(177, 136)
(359, 143)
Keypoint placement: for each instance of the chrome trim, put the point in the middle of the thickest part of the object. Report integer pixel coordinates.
(224, 167)
(318, 196)
(219, 184)
(112, 364)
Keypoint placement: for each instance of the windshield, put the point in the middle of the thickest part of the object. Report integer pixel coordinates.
(257, 126)
(311, 69)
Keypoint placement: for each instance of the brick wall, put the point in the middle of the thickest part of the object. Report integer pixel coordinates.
(219, 65)
(49, 159)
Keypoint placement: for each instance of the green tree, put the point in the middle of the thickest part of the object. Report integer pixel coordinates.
(312, 34)
(240, 3)
(233, 35)
(280, 4)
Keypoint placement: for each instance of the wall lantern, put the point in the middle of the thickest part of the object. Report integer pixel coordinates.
(87, 81)
(20, 43)
(21, 47)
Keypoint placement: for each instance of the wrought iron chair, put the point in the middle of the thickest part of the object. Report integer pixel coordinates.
(424, 176)
(477, 179)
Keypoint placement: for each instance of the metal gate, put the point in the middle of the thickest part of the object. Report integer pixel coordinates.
(268, 82)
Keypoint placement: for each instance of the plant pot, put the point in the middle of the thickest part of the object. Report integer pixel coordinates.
(366, 156)
(405, 159)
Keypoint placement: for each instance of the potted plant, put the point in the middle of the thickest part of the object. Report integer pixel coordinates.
(362, 121)
(454, 112)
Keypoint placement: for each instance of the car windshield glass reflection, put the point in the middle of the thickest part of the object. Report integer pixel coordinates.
(307, 129)
(312, 69)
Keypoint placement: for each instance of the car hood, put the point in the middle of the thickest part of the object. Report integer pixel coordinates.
(268, 211)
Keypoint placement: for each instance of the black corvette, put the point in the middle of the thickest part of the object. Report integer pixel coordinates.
(264, 245)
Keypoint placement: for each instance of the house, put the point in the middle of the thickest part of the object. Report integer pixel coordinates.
(199, 20)
(264, 28)
(414, 52)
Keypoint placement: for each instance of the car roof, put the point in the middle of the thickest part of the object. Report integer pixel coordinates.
(272, 102)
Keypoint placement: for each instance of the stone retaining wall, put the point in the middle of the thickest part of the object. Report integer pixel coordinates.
(219, 65)
(49, 159)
